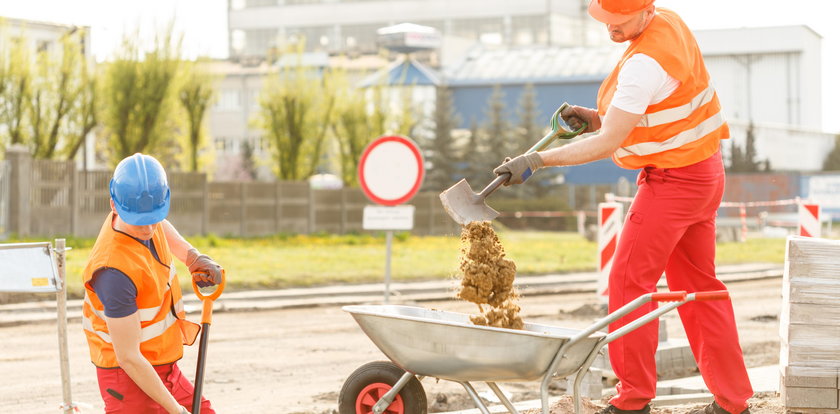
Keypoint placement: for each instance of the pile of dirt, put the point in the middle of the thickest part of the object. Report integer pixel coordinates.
(487, 277)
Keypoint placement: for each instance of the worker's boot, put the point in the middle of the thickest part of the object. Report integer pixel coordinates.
(611, 409)
(714, 408)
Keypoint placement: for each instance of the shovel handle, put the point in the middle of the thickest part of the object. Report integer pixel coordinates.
(496, 183)
(556, 131)
(207, 300)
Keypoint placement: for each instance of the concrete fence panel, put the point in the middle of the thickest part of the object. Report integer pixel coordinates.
(354, 207)
(260, 201)
(292, 212)
(93, 202)
(327, 207)
(225, 208)
(52, 197)
(187, 210)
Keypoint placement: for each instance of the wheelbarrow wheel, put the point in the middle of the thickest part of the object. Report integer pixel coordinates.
(367, 384)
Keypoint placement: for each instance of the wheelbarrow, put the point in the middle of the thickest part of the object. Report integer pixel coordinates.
(446, 345)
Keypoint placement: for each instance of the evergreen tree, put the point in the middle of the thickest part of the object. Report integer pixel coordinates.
(745, 160)
(529, 130)
(442, 148)
(499, 143)
(832, 160)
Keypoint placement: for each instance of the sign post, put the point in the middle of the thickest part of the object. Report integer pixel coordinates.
(40, 268)
(390, 172)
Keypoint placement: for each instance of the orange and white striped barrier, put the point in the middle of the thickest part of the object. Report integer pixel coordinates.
(609, 226)
(809, 220)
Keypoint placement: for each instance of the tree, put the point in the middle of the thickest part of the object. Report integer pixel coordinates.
(499, 143)
(529, 131)
(83, 118)
(16, 89)
(138, 96)
(832, 160)
(196, 95)
(363, 115)
(55, 91)
(745, 160)
(296, 108)
(442, 148)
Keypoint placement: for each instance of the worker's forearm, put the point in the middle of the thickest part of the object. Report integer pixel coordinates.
(144, 375)
(593, 148)
(177, 243)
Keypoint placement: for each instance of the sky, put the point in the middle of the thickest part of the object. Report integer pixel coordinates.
(204, 25)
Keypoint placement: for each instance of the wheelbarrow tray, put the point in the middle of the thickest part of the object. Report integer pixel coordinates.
(447, 345)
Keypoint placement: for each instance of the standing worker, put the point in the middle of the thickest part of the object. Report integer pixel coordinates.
(133, 313)
(658, 112)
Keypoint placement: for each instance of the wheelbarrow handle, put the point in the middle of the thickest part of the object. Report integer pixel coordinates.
(710, 295)
(678, 296)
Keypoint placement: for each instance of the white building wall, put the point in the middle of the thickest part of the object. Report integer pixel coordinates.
(767, 75)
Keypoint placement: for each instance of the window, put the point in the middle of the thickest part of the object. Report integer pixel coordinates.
(229, 100)
(260, 3)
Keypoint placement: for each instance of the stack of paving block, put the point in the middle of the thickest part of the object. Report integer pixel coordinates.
(810, 326)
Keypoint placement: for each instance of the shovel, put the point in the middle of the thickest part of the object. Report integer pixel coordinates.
(466, 206)
(206, 316)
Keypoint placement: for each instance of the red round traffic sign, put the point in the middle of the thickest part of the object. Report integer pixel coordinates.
(391, 170)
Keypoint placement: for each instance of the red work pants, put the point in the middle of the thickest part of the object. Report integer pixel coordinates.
(123, 396)
(670, 227)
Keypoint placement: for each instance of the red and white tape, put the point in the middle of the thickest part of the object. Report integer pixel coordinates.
(609, 227)
(809, 213)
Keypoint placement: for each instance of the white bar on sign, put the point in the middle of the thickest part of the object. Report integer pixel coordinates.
(388, 218)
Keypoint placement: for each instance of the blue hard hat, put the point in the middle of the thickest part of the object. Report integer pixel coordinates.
(140, 190)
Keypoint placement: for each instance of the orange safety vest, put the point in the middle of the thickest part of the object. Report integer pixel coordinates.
(687, 126)
(164, 330)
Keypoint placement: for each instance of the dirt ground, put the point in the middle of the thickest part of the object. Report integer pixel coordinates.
(296, 360)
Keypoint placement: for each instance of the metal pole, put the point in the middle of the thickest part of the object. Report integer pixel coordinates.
(389, 236)
(61, 299)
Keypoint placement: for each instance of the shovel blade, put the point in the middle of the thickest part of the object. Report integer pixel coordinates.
(464, 205)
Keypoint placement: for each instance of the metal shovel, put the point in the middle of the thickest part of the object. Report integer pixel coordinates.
(206, 317)
(465, 206)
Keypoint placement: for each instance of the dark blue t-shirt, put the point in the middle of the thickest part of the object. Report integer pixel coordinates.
(115, 290)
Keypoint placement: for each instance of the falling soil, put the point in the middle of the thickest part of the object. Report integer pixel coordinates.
(487, 277)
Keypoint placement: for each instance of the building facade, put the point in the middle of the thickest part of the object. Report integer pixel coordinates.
(258, 27)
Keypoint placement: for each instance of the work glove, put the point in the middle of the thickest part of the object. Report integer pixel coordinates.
(204, 270)
(574, 116)
(520, 168)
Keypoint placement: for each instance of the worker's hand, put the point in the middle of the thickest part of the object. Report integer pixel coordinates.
(574, 116)
(520, 168)
(183, 410)
(204, 270)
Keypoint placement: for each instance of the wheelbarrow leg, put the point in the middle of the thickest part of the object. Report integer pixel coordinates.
(502, 397)
(389, 396)
(474, 395)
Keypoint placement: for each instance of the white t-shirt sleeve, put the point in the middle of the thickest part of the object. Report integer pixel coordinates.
(642, 82)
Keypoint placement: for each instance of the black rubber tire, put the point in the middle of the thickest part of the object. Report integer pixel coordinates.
(413, 396)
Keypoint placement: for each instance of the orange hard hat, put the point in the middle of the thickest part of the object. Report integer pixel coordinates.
(616, 11)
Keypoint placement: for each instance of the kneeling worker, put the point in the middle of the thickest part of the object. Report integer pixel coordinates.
(133, 314)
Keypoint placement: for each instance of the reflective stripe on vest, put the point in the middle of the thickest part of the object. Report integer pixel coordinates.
(146, 314)
(669, 115)
(152, 331)
(648, 148)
